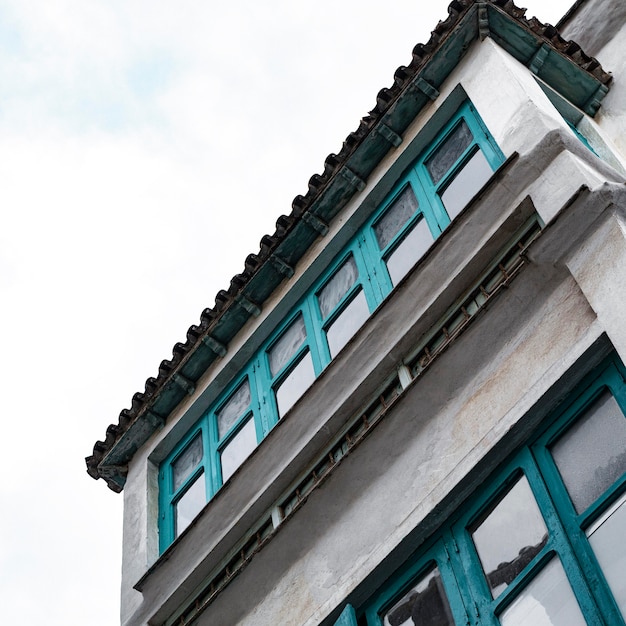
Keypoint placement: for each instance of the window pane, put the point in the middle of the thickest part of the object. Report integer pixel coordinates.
(395, 217)
(467, 182)
(450, 150)
(347, 323)
(337, 287)
(187, 461)
(190, 504)
(424, 605)
(607, 539)
(238, 449)
(510, 536)
(412, 248)
(547, 601)
(286, 346)
(591, 455)
(233, 409)
(296, 383)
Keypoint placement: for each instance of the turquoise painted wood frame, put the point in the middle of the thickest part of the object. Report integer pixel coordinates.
(454, 551)
(373, 281)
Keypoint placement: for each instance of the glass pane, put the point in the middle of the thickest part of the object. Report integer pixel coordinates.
(395, 217)
(410, 250)
(238, 449)
(607, 539)
(286, 346)
(423, 605)
(337, 287)
(591, 455)
(466, 183)
(233, 409)
(187, 461)
(450, 150)
(547, 601)
(190, 504)
(510, 536)
(347, 323)
(296, 383)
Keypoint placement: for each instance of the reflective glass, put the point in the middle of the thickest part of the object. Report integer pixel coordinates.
(448, 152)
(296, 383)
(337, 287)
(233, 409)
(410, 249)
(608, 541)
(466, 184)
(425, 604)
(347, 323)
(591, 455)
(238, 449)
(190, 504)
(187, 461)
(286, 346)
(395, 217)
(510, 536)
(547, 601)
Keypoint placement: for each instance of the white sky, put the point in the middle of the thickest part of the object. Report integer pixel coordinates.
(145, 148)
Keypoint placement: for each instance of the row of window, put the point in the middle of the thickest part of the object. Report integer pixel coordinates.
(433, 190)
(542, 544)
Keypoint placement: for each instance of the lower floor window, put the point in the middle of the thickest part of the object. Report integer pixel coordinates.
(544, 542)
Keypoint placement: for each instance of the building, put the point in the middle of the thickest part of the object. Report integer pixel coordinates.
(409, 409)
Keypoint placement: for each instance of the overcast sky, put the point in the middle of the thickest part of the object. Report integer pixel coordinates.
(145, 148)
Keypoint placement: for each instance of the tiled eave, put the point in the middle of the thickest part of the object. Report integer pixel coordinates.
(559, 63)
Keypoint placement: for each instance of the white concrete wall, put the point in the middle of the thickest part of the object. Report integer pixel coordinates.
(496, 372)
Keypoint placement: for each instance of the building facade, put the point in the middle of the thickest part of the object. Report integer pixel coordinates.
(410, 408)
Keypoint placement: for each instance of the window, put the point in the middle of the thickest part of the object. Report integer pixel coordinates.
(540, 544)
(344, 300)
(430, 193)
(291, 365)
(207, 457)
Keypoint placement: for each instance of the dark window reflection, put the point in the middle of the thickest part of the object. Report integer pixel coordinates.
(510, 536)
(425, 604)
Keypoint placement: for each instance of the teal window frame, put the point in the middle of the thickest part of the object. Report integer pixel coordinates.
(453, 549)
(373, 280)
(428, 194)
(436, 554)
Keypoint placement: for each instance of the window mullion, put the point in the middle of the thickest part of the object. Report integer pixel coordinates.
(377, 278)
(262, 382)
(314, 339)
(210, 462)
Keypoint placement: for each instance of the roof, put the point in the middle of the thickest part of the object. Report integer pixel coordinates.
(539, 46)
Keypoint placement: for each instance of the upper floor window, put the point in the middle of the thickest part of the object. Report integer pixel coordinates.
(542, 543)
(428, 195)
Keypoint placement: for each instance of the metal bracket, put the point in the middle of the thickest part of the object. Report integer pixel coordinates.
(315, 223)
(247, 305)
(283, 268)
(184, 383)
(352, 178)
(213, 344)
(538, 59)
(483, 21)
(389, 134)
